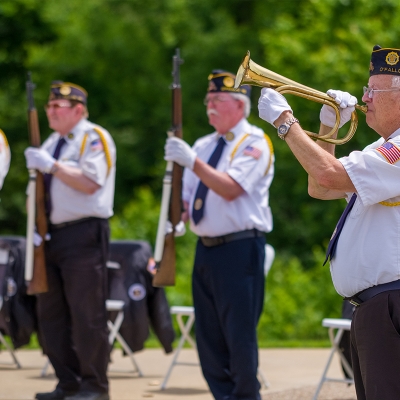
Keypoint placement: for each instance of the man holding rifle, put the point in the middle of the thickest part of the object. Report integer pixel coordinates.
(225, 194)
(364, 250)
(5, 157)
(78, 161)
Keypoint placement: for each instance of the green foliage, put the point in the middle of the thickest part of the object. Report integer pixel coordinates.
(297, 299)
(121, 52)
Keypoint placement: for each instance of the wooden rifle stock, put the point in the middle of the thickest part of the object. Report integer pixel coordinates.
(35, 263)
(165, 256)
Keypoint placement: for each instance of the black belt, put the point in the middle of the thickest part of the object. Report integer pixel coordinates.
(53, 227)
(218, 240)
(369, 293)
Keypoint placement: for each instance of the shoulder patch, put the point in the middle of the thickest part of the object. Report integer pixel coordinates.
(390, 151)
(96, 145)
(252, 152)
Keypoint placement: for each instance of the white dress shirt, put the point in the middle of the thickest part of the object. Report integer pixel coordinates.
(249, 161)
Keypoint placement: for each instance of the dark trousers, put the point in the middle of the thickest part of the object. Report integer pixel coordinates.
(375, 350)
(72, 314)
(228, 295)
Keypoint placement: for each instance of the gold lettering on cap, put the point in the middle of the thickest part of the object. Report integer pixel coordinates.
(392, 58)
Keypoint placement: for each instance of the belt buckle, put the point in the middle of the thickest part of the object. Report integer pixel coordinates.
(354, 302)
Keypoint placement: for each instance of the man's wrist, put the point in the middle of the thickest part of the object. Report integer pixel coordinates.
(283, 118)
(54, 168)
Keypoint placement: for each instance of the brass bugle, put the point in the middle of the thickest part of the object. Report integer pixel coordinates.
(250, 73)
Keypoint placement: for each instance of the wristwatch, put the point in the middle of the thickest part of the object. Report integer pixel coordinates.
(284, 128)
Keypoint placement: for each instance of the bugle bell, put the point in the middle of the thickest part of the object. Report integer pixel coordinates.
(250, 73)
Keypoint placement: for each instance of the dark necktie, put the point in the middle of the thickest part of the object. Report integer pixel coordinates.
(48, 177)
(330, 252)
(202, 189)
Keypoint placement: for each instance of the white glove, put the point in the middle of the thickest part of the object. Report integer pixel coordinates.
(37, 239)
(180, 228)
(180, 152)
(39, 159)
(271, 105)
(346, 103)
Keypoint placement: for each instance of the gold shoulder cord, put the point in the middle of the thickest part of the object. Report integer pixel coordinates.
(105, 146)
(238, 144)
(269, 143)
(271, 150)
(83, 144)
(388, 204)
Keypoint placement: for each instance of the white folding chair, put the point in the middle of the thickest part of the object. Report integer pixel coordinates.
(185, 328)
(118, 305)
(339, 325)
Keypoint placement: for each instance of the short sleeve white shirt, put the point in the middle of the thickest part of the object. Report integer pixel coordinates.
(5, 157)
(249, 160)
(368, 249)
(85, 150)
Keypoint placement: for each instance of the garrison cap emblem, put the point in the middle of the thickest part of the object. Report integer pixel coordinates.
(392, 58)
(65, 90)
(228, 82)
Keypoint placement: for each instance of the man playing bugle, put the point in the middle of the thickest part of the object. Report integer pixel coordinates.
(364, 250)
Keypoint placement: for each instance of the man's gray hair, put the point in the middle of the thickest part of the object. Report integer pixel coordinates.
(395, 81)
(245, 99)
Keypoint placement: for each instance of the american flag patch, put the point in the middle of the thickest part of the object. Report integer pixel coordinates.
(390, 152)
(252, 152)
(96, 145)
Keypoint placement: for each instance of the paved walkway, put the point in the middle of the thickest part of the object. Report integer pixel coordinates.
(293, 374)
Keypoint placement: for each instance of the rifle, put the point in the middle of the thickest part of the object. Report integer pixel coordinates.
(35, 264)
(171, 203)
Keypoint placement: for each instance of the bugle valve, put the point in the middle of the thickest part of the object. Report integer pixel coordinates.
(250, 73)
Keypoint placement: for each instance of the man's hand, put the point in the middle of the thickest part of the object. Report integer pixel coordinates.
(180, 152)
(39, 159)
(180, 228)
(271, 105)
(346, 103)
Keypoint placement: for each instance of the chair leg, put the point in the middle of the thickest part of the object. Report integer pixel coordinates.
(11, 351)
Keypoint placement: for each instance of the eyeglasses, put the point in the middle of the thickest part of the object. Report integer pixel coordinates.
(57, 106)
(216, 99)
(371, 91)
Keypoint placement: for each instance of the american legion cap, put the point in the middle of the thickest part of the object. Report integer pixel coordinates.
(384, 61)
(67, 91)
(224, 81)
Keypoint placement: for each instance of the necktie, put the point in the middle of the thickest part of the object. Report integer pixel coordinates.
(330, 253)
(202, 189)
(48, 177)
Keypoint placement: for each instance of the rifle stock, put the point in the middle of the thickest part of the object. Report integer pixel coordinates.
(35, 263)
(164, 255)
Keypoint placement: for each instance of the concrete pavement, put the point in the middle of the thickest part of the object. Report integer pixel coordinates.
(292, 374)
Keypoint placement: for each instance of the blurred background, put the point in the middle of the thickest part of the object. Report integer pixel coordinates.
(121, 52)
